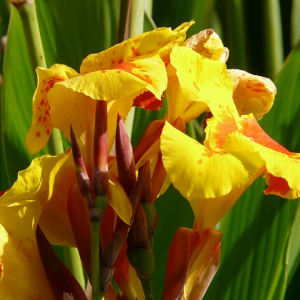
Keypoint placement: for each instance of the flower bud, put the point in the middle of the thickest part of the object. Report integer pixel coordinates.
(100, 150)
(81, 173)
(125, 158)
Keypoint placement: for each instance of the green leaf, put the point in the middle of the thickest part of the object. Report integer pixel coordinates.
(18, 88)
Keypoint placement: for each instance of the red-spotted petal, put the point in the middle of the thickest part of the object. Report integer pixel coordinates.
(42, 126)
(251, 93)
(198, 172)
(199, 80)
(159, 41)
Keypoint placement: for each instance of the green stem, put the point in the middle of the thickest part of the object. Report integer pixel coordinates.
(55, 145)
(32, 34)
(71, 259)
(136, 17)
(136, 27)
(273, 45)
(295, 22)
(235, 33)
(147, 287)
(96, 213)
(96, 291)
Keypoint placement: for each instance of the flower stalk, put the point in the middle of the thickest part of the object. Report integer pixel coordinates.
(95, 217)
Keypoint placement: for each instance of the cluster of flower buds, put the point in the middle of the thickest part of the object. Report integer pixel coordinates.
(137, 236)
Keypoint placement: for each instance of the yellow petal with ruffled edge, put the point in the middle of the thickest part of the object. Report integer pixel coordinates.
(42, 126)
(47, 181)
(198, 172)
(201, 80)
(19, 254)
(159, 41)
(282, 166)
(251, 93)
(208, 44)
(124, 80)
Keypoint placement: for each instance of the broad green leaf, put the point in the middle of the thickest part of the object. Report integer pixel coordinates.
(166, 14)
(233, 31)
(259, 253)
(18, 88)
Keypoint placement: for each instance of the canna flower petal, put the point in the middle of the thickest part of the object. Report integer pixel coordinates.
(204, 264)
(123, 80)
(201, 172)
(47, 181)
(118, 199)
(159, 41)
(251, 93)
(208, 44)
(193, 260)
(19, 253)
(180, 252)
(282, 167)
(42, 126)
(200, 82)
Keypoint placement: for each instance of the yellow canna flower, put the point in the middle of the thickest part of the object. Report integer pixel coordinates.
(119, 75)
(235, 152)
(130, 73)
(212, 177)
(63, 97)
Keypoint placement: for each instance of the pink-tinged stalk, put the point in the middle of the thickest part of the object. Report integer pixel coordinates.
(82, 175)
(125, 158)
(100, 150)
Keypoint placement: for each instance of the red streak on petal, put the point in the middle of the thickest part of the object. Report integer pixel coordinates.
(47, 112)
(259, 84)
(40, 118)
(196, 86)
(199, 161)
(258, 90)
(103, 71)
(226, 126)
(42, 102)
(48, 131)
(253, 130)
(120, 61)
(130, 67)
(207, 153)
(37, 134)
(277, 185)
(147, 101)
(44, 120)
